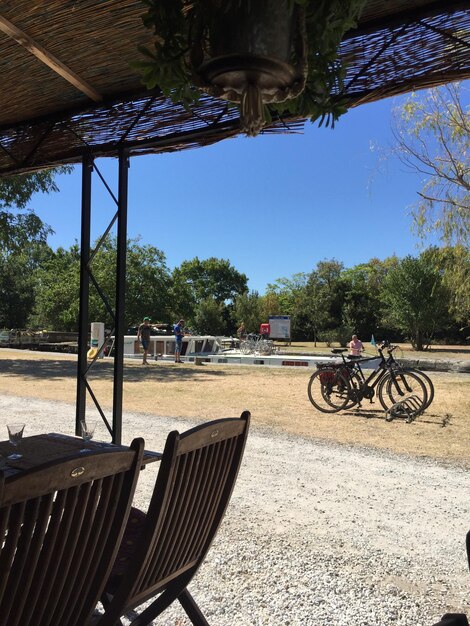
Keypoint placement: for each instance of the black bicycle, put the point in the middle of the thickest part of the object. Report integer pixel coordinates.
(343, 385)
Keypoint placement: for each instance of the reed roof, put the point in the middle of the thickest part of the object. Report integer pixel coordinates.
(101, 107)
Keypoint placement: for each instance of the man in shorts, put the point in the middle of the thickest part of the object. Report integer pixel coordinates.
(179, 333)
(143, 335)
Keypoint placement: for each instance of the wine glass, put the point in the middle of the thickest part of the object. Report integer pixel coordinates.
(15, 435)
(88, 430)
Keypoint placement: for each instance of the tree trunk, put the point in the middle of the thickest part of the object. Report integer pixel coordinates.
(419, 340)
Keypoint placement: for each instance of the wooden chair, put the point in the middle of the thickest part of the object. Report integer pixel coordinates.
(60, 528)
(162, 550)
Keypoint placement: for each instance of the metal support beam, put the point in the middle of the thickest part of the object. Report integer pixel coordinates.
(87, 279)
(87, 169)
(120, 294)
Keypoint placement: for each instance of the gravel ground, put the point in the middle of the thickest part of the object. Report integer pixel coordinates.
(316, 534)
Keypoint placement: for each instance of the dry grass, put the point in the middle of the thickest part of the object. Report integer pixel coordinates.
(276, 397)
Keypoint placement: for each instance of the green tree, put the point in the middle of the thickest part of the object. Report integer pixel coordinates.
(196, 280)
(248, 309)
(453, 263)
(147, 281)
(57, 297)
(18, 284)
(323, 300)
(270, 305)
(19, 225)
(415, 299)
(432, 134)
(290, 294)
(362, 308)
(147, 286)
(208, 317)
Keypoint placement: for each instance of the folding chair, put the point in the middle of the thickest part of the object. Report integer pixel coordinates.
(162, 550)
(60, 528)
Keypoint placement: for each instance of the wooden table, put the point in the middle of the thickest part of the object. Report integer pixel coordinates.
(39, 449)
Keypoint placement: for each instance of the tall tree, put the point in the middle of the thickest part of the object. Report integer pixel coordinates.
(18, 284)
(147, 286)
(415, 299)
(208, 317)
(196, 280)
(362, 308)
(432, 134)
(247, 309)
(57, 298)
(453, 263)
(325, 296)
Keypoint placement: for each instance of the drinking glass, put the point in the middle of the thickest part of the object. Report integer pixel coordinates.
(88, 430)
(15, 434)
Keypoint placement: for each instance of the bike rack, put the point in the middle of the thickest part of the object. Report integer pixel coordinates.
(409, 408)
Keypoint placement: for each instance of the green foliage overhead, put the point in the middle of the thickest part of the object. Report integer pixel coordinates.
(168, 65)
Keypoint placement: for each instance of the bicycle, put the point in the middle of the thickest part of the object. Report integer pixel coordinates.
(257, 344)
(338, 386)
(248, 345)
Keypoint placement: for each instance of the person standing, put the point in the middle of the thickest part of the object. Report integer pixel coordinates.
(355, 346)
(143, 335)
(179, 334)
(241, 331)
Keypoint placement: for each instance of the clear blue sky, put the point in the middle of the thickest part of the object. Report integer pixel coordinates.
(272, 205)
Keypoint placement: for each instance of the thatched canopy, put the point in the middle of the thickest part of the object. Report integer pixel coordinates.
(67, 86)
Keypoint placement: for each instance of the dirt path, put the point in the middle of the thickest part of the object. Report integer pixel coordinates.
(276, 398)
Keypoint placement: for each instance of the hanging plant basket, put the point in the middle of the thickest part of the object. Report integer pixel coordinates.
(256, 55)
(267, 56)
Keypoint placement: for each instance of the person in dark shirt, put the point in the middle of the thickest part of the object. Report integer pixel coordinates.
(179, 333)
(143, 335)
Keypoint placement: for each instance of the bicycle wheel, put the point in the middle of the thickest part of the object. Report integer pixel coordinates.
(427, 383)
(404, 387)
(355, 386)
(328, 390)
(245, 347)
(264, 347)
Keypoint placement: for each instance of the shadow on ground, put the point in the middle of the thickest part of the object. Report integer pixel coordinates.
(59, 369)
(375, 413)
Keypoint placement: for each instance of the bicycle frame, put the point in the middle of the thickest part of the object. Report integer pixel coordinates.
(375, 377)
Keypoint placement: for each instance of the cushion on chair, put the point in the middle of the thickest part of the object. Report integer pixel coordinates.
(132, 532)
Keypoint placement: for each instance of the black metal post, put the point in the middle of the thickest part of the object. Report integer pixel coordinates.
(120, 295)
(87, 169)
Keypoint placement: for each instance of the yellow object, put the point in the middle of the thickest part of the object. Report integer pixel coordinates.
(92, 352)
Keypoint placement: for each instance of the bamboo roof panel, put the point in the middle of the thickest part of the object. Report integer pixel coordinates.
(399, 45)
